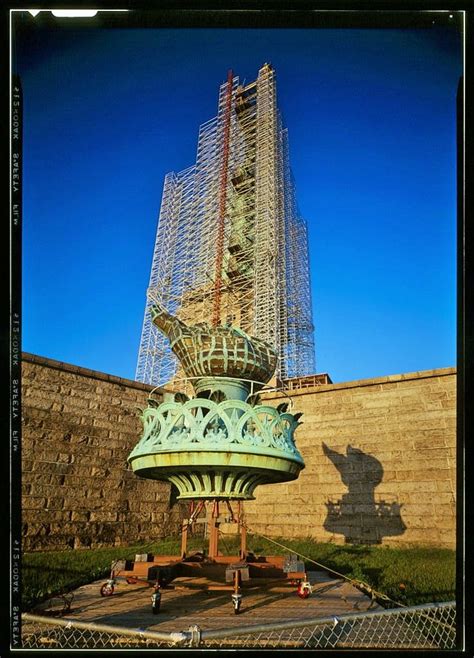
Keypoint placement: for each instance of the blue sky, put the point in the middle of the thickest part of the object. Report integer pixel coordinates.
(371, 119)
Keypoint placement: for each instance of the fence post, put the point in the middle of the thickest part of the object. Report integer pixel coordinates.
(194, 636)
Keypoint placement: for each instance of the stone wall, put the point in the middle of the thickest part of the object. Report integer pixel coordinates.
(379, 454)
(78, 427)
(380, 464)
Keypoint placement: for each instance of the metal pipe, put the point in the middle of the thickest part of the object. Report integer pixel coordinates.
(320, 621)
(173, 638)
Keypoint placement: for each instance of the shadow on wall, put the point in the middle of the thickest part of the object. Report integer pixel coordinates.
(357, 515)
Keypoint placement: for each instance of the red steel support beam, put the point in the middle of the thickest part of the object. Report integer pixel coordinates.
(242, 530)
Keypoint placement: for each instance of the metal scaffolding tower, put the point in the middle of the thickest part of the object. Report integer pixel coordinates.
(231, 245)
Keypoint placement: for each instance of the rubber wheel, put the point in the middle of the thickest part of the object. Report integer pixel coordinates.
(237, 609)
(106, 590)
(156, 608)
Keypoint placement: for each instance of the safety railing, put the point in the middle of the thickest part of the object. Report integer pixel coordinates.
(430, 626)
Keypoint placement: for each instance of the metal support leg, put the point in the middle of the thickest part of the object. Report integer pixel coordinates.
(236, 596)
(242, 531)
(214, 531)
(189, 524)
(191, 517)
(156, 599)
(184, 538)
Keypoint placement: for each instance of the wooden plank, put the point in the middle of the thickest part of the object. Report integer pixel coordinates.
(199, 600)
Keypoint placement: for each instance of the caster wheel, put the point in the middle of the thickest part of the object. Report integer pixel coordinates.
(236, 602)
(156, 601)
(107, 589)
(304, 590)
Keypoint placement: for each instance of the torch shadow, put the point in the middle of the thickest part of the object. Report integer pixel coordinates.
(357, 515)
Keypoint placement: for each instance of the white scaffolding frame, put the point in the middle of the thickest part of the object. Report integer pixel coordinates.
(265, 284)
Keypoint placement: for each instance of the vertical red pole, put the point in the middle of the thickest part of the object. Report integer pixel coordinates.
(243, 531)
(184, 538)
(191, 517)
(216, 313)
(214, 531)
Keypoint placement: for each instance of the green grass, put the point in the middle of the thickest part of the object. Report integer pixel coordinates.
(407, 575)
(49, 573)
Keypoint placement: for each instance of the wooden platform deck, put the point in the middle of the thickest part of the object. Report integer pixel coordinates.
(193, 601)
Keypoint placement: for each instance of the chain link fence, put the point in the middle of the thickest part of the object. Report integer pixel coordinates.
(431, 626)
(40, 632)
(421, 627)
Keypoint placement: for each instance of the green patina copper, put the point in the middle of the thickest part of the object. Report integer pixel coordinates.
(222, 351)
(217, 445)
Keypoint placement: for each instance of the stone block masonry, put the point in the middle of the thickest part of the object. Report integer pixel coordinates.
(379, 454)
(380, 464)
(78, 427)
